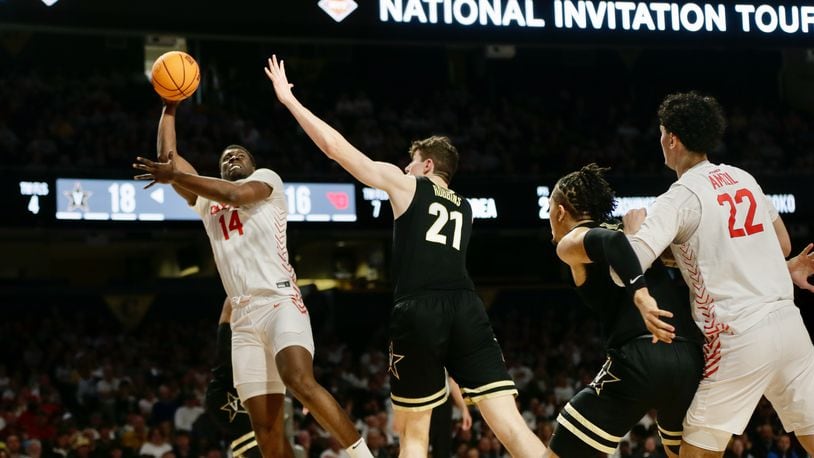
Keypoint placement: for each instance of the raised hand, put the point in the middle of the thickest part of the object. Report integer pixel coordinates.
(157, 172)
(651, 314)
(276, 73)
(801, 267)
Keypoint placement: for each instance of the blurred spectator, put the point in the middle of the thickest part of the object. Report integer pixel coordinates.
(14, 447)
(783, 448)
(737, 449)
(33, 448)
(186, 415)
(764, 442)
(156, 445)
(182, 445)
(334, 450)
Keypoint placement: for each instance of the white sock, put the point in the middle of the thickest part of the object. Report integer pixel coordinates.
(359, 450)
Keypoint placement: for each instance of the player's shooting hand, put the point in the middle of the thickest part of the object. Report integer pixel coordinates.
(801, 267)
(170, 105)
(157, 172)
(276, 73)
(652, 316)
(633, 220)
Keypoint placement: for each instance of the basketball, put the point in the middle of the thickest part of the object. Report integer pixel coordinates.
(175, 75)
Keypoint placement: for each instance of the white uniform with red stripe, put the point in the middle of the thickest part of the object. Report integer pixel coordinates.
(268, 314)
(719, 225)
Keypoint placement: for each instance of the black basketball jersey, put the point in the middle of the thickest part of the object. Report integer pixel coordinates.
(619, 317)
(430, 241)
(222, 401)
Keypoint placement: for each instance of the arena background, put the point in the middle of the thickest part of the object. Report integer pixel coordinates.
(109, 316)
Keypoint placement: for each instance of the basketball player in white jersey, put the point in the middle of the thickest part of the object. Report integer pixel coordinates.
(245, 215)
(730, 245)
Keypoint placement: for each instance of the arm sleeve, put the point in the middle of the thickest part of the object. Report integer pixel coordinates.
(673, 218)
(613, 248)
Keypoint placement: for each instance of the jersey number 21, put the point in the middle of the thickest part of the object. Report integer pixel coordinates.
(442, 217)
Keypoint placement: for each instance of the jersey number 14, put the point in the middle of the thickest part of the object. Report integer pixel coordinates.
(442, 216)
(234, 224)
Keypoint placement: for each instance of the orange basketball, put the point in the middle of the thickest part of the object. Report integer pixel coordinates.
(175, 75)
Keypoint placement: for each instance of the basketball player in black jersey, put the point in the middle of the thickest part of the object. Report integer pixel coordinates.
(222, 402)
(651, 364)
(438, 324)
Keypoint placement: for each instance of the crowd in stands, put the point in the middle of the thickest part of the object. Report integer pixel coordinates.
(74, 383)
(100, 123)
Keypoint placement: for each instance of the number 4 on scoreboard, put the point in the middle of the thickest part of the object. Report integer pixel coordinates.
(234, 224)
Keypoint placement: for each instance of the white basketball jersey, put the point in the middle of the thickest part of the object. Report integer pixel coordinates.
(249, 242)
(733, 262)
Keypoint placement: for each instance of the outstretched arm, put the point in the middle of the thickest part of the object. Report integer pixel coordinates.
(585, 246)
(167, 144)
(380, 175)
(223, 191)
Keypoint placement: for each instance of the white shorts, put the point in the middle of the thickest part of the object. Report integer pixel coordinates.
(261, 327)
(773, 358)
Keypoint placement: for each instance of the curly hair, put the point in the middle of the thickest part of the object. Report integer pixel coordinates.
(442, 152)
(697, 120)
(586, 193)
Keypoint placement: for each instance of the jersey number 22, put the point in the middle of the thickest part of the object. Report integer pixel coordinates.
(749, 226)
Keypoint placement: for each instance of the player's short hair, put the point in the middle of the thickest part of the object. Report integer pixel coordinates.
(697, 120)
(241, 148)
(443, 153)
(586, 193)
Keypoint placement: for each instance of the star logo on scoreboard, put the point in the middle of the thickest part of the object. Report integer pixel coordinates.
(338, 9)
(78, 198)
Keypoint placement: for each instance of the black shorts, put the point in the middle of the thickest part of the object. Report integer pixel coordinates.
(637, 377)
(440, 332)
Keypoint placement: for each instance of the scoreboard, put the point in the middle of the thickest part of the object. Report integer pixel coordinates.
(127, 200)
(41, 201)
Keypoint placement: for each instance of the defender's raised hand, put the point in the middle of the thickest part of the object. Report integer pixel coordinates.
(276, 73)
